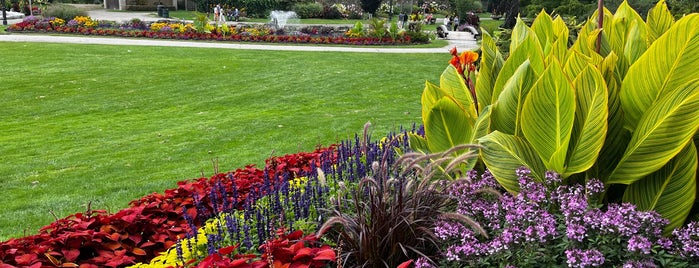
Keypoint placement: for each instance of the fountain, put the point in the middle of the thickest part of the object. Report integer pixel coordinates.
(281, 18)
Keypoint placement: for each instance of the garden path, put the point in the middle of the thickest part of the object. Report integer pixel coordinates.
(461, 40)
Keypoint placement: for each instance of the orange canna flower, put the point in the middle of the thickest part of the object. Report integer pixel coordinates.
(453, 51)
(468, 57)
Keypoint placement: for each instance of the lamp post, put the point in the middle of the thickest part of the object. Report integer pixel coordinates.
(4, 14)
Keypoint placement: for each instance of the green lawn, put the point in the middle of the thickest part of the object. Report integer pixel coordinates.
(109, 124)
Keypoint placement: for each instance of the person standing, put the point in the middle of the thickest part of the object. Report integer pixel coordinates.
(456, 23)
(217, 12)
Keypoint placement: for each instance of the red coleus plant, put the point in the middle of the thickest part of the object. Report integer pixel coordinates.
(149, 226)
(291, 250)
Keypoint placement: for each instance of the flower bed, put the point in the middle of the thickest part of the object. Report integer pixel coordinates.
(187, 31)
(428, 197)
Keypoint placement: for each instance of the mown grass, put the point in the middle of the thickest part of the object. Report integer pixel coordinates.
(108, 124)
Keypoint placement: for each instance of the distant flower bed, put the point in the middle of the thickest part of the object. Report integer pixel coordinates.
(198, 31)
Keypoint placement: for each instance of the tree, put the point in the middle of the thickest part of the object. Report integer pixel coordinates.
(370, 6)
(511, 10)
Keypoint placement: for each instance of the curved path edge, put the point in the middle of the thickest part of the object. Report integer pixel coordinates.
(226, 45)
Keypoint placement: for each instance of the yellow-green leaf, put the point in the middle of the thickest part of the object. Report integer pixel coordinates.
(590, 127)
(548, 114)
(671, 61)
(506, 113)
(543, 27)
(635, 43)
(670, 191)
(658, 22)
(453, 84)
(418, 143)
(447, 125)
(491, 63)
(530, 50)
(503, 154)
(430, 95)
(666, 127)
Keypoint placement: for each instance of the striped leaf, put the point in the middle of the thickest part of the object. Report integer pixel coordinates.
(447, 125)
(543, 27)
(617, 136)
(670, 191)
(491, 63)
(506, 114)
(670, 62)
(560, 45)
(667, 127)
(454, 86)
(548, 114)
(418, 143)
(430, 95)
(658, 22)
(590, 127)
(528, 49)
(635, 43)
(503, 154)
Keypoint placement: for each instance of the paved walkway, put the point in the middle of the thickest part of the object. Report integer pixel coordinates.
(461, 40)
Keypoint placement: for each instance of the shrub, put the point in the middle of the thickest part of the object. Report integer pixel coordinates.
(332, 12)
(65, 12)
(308, 10)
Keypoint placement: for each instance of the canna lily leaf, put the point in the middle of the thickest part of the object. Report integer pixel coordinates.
(503, 154)
(560, 45)
(667, 127)
(635, 43)
(453, 85)
(617, 136)
(670, 62)
(447, 126)
(543, 27)
(430, 95)
(670, 191)
(590, 127)
(529, 49)
(418, 143)
(659, 21)
(548, 114)
(506, 112)
(491, 63)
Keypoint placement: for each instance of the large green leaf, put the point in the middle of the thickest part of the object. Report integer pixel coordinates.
(576, 63)
(635, 43)
(670, 191)
(617, 136)
(548, 114)
(560, 45)
(671, 61)
(447, 125)
(506, 112)
(528, 49)
(543, 27)
(666, 128)
(590, 127)
(491, 63)
(503, 154)
(430, 95)
(418, 143)
(453, 84)
(658, 22)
